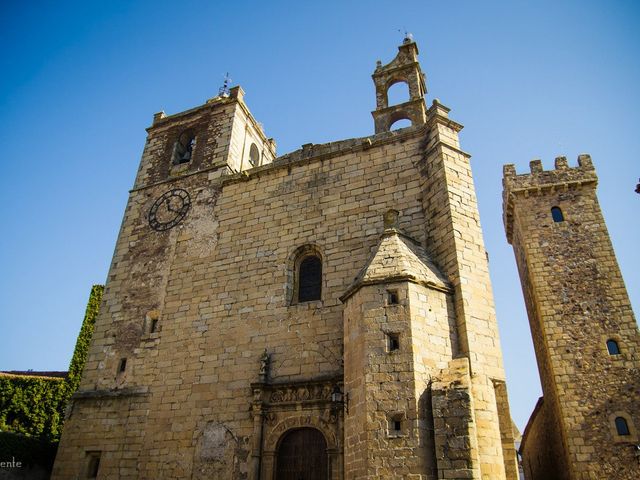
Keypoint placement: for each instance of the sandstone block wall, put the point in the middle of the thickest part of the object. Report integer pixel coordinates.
(541, 447)
(218, 286)
(454, 240)
(202, 360)
(576, 300)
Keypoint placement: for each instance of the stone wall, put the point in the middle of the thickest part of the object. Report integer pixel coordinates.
(576, 300)
(540, 448)
(455, 242)
(202, 360)
(218, 287)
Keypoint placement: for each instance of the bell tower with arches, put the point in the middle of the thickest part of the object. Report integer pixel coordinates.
(406, 69)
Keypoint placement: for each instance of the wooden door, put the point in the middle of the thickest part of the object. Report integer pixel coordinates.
(302, 455)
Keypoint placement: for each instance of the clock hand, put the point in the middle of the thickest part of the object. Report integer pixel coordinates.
(168, 202)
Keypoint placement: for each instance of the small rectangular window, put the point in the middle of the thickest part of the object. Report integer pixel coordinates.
(93, 464)
(393, 342)
(123, 365)
(392, 297)
(395, 425)
(154, 326)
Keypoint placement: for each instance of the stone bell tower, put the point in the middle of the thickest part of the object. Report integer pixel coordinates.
(423, 366)
(404, 68)
(584, 332)
(261, 319)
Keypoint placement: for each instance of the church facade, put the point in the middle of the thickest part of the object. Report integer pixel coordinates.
(326, 314)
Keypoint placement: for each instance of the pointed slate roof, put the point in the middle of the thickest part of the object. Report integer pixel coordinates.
(398, 257)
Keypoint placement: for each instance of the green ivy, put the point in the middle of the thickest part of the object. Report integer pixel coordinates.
(84, 338)
(34, 406)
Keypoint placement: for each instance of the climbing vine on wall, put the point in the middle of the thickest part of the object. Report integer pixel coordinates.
(34, 406)
(84, 338)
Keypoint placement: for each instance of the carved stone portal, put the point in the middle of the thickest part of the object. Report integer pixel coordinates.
(281, 408)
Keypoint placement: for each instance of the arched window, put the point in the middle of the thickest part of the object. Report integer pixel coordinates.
(557, 215)
(621, 426)
(254, 155)
(612, 347)
(310, 279)
(183, 149)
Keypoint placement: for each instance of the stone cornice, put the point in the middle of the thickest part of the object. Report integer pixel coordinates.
(440, 143)
(386, 70)
(166, 121)
(395, 279)
(399, 106)
(437, 118)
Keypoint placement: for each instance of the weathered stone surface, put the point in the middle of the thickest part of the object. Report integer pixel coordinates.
(576, 301)
(224, 361)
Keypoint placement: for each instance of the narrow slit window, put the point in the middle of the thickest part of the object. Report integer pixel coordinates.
(310, 279)
(557, 215)
(612, 347)
(122, 366)
(621, 426)
(395, 425)
(393, 342)
(93, 464)
(154, 326)
(392, 297)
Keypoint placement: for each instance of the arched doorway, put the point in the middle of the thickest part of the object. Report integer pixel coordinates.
(302, 455)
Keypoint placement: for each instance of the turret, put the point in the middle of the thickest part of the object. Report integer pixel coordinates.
(584, 332)
(404, 68)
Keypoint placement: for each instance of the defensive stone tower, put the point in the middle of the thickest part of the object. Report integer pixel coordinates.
(584, 332)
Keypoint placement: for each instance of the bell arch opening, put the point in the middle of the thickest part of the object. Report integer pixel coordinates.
(398, 92)
(400, 123)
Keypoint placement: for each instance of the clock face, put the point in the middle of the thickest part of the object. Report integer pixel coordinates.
(169, 210)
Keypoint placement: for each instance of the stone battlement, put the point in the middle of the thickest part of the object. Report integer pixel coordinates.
(539, 181)
(540, 178)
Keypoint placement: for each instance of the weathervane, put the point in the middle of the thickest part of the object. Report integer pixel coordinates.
(223, 91)
(408, 37)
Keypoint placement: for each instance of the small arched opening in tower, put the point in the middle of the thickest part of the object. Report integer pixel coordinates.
(612, 347)
(557, 214)
(254, 155)
(183, 148)
(398, 92)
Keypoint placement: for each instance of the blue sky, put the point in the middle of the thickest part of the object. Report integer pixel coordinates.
(81, 81)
